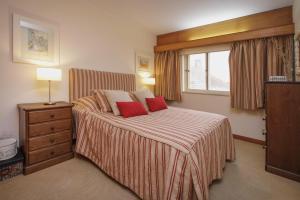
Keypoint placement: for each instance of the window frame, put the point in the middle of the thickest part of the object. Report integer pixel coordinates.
(185, 68)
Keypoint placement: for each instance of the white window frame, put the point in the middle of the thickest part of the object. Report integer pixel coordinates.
(185, 67)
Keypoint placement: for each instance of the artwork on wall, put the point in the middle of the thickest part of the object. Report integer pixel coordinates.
(144, 63)
(35, 42)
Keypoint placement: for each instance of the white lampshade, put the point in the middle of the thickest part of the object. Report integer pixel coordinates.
(144, 74)
(149, 81)
(48, 74)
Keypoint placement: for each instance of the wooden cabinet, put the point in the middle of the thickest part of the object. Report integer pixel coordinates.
(45, 134)
(283, 129)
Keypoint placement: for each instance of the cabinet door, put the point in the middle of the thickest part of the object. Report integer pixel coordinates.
(295, 130)
(283, 126)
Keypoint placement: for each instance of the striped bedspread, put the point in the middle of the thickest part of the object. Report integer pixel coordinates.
(169, 154)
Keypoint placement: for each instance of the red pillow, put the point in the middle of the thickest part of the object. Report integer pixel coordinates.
(157, 103)
(131, 109)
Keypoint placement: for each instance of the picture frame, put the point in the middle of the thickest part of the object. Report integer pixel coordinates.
(35, 42)
(144, 63)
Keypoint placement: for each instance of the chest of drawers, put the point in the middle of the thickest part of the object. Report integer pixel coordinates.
(283, 129)
(45, 134)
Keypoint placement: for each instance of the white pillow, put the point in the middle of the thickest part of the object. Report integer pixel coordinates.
(114, 96)
(141, 95)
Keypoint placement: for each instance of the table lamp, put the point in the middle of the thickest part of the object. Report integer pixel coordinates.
(149, 81)
(48, 74)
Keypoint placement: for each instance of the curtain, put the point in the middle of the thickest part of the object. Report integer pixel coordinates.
(251, 63)
(280, 56)
(167, 75)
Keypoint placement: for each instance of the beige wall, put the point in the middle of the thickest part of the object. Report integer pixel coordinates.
(89, 38)
(249, 124)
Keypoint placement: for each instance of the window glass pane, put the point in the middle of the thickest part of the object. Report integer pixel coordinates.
(218, 71)
(197, 73)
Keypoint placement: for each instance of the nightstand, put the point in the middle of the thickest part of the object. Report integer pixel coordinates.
(45, 134)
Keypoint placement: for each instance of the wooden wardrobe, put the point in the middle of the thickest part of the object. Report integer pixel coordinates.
(283, 129)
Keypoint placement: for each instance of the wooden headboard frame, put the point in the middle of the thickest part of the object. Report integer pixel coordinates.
(82, 82)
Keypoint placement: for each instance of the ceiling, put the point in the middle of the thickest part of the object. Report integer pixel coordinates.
(164, 16)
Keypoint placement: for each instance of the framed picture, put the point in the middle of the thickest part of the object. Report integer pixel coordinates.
(144, 63)
(35, 42)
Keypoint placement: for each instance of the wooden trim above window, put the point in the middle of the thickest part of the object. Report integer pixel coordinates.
(269, 32)
(268, 19)
(266, 24)
(206, 49)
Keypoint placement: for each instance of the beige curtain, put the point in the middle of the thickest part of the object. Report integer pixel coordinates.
(251, 63)
(279, 56)
(167, 75)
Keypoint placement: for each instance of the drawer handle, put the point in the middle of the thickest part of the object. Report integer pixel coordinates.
(52, 153)
(52, 140)
(264, 146)
(52, 116)
(52, 128)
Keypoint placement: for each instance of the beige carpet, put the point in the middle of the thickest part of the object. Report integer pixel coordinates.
(244, 179)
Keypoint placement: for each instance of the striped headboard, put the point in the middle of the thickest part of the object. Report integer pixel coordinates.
(82, 82)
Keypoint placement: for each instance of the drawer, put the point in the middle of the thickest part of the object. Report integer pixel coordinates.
(49, 115)
(49, 140)
(49, 127)
(48, 153)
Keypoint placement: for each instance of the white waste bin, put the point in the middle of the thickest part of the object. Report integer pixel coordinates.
(8, 148)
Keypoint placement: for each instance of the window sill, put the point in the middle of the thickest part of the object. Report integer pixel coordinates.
(207, 92)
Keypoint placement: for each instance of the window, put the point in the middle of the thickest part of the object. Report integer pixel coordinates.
(206, 71)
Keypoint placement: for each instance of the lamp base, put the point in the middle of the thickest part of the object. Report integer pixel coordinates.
(50, 103)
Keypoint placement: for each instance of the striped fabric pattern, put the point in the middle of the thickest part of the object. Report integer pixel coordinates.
(167, 75)
(132, 96)
(169, 154)
(89, 102)
(102, 101)
(83, 82)
(251, 63)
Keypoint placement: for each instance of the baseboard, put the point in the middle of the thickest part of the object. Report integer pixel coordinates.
(44, 164)
(247, 139)
(282, 172)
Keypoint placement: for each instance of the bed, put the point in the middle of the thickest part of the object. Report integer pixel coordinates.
(169, 154)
